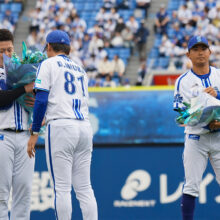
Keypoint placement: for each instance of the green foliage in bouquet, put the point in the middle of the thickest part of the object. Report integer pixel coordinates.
(23, 71)
(201, 115)
(184, 114)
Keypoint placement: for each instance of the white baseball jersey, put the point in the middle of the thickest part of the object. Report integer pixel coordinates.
(16, 168)
(67, 84)
(183, 92)
(13, 116)
(68, 142)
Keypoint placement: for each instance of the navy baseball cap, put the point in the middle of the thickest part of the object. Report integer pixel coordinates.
(59, 37)
(197, 40)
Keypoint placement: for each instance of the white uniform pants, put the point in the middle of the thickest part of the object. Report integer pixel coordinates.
(16, 171)
(68, 149)
(195, 157)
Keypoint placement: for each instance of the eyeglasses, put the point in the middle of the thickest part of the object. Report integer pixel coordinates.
(9, 50)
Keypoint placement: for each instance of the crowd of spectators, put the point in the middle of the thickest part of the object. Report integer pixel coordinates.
(173, 28)
(9, 13)
(90, 43)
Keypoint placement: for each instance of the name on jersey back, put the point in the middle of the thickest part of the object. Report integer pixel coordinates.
(70, 66)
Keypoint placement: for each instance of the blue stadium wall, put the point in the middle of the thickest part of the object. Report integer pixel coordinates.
(137, 171)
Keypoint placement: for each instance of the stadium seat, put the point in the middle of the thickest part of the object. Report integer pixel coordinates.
(79, 6)
(97, 6)
(4, 7)
(124, 52)
(133, 4)
(2, 17)
(170, 33)
(149, 63)
(88, 7)
(154, 53)
(157, 42)
(16, 7)
(155, 63)
(91, 23)
(164, 62)
(125, 13)
(15, 16)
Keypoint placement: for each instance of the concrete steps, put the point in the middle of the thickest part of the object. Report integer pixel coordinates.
(22, 27)
(134, 63)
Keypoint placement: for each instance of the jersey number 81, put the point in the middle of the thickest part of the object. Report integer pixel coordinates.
(69, 85)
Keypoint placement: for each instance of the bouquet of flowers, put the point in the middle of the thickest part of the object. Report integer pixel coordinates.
(202, 109)
(23, 71)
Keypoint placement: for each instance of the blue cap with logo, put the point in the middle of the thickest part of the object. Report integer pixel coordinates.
(59, 37)
(197, 40)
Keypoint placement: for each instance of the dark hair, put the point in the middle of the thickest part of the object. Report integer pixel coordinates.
(6, 35)
(61, 48)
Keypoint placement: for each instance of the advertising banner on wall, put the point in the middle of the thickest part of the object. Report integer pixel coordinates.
(167, 79)
(131, 183)
(133, 116)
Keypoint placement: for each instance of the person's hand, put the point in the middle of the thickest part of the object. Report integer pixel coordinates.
(214, 125)
(43, 122)
(31, 145)
(211, 91)
(29, 101)
(29, 87)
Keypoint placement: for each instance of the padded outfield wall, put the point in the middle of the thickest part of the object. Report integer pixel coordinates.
(137, 171)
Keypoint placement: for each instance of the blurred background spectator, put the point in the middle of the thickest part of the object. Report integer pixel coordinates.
(141, 74)
(141, 40)
(145, 4)
(117, 68)
(104, 67)
(115, 27)
(161, 21)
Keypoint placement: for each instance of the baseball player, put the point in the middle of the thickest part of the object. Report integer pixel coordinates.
(62, 92)
(16, 168)
(200, 143)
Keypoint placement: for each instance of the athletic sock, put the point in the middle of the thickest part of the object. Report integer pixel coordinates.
(187, 206)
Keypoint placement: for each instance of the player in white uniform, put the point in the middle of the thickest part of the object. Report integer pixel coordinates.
(62, 92)
(16, 168)
(200, 143)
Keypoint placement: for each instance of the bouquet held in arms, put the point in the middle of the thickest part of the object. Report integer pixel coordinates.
(202, 109)
(23, 71)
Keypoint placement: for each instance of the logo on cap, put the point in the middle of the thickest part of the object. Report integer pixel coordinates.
(199, 39)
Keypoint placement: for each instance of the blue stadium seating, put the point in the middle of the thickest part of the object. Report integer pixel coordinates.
(89, 6)
(157, 42)
(79, 6)
(4, 7)
(123, 53)
(154, 53)
(16, 7)
(15, 16)
(2, 17)
(164, 62)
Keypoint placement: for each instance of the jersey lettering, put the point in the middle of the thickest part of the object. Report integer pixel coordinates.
(178, 98)
(70, 66)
